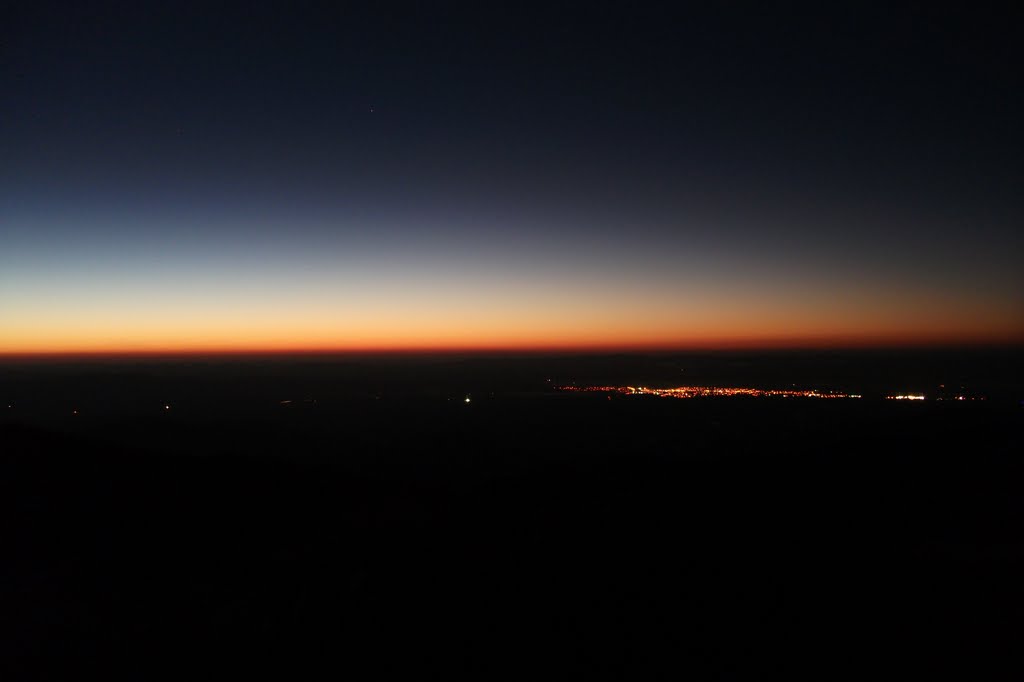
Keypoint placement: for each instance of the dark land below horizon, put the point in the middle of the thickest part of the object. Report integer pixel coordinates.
(214, 517)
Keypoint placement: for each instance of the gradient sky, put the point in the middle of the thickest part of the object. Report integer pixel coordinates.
(274, 177)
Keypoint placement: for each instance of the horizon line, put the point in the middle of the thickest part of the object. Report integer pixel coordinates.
(174, 353)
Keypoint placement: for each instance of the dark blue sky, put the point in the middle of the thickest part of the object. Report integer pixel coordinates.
(193, 176)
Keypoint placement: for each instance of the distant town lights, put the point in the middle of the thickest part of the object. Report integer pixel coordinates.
(706, 391)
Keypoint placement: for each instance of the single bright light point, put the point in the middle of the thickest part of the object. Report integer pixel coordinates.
(167, 407)
(467, 398)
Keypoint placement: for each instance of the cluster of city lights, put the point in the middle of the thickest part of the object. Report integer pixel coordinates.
(707, 391)
(719, 391)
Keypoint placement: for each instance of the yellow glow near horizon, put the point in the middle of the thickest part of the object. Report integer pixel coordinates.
(505, 314)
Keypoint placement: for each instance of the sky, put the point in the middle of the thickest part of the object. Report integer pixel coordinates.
(285, 177)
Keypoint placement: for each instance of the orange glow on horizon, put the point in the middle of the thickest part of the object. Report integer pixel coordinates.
(567, 345)
(196, 326)
(241, 310)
